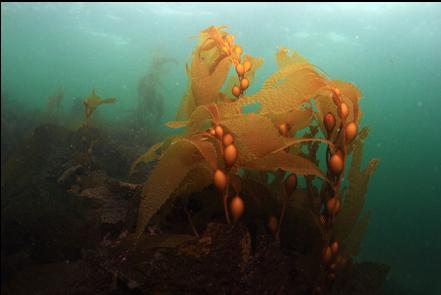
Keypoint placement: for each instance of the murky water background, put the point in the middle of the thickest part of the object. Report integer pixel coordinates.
(390, 51)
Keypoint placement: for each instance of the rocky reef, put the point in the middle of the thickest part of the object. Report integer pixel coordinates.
(239, 202)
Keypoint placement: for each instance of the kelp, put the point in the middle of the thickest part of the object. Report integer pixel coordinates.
(198, 178)
(150, 155)
(325, 104)
(92, 102)
(233, 79)
(285, 90)
(297, 94)
(248, 131)
(54, 105)
(150, 107)
(209, 68)
(347, 223)
(284, 59)
(297, 119)
(351, 96)
(182, 158)
(286, 162)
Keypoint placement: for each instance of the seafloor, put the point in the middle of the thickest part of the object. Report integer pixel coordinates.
(69, 212)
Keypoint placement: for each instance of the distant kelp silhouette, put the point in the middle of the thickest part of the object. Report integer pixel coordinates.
(150, 107)
(299, 109)
(54, 108)
(91, 103)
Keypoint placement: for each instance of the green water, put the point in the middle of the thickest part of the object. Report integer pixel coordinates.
(390, 51)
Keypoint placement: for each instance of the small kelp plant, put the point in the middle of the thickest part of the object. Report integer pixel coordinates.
(91, 103)
(300, 112)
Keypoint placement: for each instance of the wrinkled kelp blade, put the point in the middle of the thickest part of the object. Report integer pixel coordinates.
(287, 162)
(180, 159)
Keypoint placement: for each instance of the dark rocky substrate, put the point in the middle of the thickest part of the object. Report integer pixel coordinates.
(68, 218)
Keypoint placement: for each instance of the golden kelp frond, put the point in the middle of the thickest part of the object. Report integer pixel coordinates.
(213, 110)
(207, 148)
(92, 102)
(296, 119)
(176, 124)
(187, 104)
(352, 245)
(294, 83)
(206, 89)
(312, 146)
(288, 142)
(211, 64)
(351, 96)
(256, 63)
(213, 36)
(284, 59)
(216, 37)
(255, 136)
(196, 119)
(354, 199)
(287, 162)
(223, 134)
(181, 157)
(288, 88)
(200, 120)
(155, 152)
(256, 176)
(248, 138)
(229, 109)
(150, 155)
(197, 179)
(325, 105)
(285, 90)
(208, 71)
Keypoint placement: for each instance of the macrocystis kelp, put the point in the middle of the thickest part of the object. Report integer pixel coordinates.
(91, 103)
(54, 108)
(299, 110)
(150, 108)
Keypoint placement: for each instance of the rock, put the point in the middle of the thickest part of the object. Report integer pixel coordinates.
(54, 186)
(67, 179)
(222, 261)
